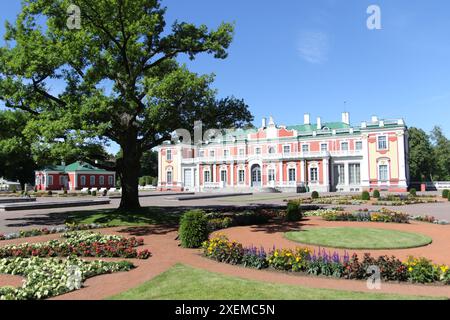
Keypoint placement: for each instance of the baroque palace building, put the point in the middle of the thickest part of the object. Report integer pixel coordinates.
(324, 157)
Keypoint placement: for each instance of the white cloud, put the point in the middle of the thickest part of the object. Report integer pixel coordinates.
(313, 47)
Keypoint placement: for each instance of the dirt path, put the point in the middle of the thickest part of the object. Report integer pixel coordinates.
(166, 253)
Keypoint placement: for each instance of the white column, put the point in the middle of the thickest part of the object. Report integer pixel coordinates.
(197, 178)
(280, 172)
(214, 173)
(232, 174)
(180, 179)
(365, 170)
(303, 171)
(326, 177)
(401, 161)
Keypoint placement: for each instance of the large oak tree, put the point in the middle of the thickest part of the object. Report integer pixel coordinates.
(114, 79)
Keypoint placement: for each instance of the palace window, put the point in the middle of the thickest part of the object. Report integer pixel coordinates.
(382, 143)
(358, 145)
(271, 175)
(354, 173)
(241, 152)
(272, 150)
(340, 171)
(305, 148)
(383, 173)
(241, 176)
(344, 146)
(169, 155)
(223, 176)
(83, 180)
(92, 180)
(212, 153)
(292, 175)
(102, 180)
(226, 153)
(258, 151)
(314, 174)
(324, 147)
(207, 176)
(287, 149)
(169, 177)
(110, 180)
(201, 153)
(50, 180)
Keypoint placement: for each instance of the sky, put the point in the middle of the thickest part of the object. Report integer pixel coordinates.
(318, 56)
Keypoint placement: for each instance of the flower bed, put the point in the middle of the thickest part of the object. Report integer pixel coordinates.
(402, 200)
(80, 244)
(430, 219)
(46, 231)
(366, 215)
(47, 278)
(414, 270)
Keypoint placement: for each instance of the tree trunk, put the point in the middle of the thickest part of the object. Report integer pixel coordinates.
(130, 168)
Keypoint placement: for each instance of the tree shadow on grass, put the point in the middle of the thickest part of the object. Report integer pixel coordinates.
(279, 226)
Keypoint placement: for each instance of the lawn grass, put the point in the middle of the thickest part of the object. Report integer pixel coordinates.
(359, 238)
(186, 283)
(138, 217)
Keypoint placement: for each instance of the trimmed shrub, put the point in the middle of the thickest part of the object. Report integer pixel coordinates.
(445, 193)
(50, 193)
(376, 194)
(315, 195)
(94, 193)
(413, 192)
(365, 196)
(293, 212)
(448, 197)
(193, 229)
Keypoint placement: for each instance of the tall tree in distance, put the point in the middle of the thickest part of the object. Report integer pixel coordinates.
(420, 155)
(119, 76)
(441, 155)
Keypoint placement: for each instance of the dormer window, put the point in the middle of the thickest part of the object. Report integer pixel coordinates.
(169, 155)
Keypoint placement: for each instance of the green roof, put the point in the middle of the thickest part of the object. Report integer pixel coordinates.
(76, 166)
(312, 127)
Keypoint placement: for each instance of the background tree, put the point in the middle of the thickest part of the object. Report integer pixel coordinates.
(16, 160)
(441, 154)
(149, 164)
(420, 155)
(119, 78)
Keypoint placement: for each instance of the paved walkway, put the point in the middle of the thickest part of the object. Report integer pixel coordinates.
(167, 253)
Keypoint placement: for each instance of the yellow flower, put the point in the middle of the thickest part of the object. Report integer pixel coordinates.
(298, 259)
(410, 269)
(276, 254)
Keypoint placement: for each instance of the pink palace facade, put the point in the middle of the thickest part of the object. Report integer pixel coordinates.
(320, 156)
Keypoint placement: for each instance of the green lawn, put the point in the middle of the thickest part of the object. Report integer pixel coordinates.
(138, 217)
(187, 283)
(359, 238)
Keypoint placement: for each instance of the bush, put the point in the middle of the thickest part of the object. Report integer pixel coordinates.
(105, 193)
(445, 193)
(315, 195)
(413, 192)
(89, 192)
(365, 196)
(376, 194)
(219, 223)
(449, 197)
(94, 193)
(49, 193)
(193, 229)
(142, 182)
(293, 212)
(249, 218)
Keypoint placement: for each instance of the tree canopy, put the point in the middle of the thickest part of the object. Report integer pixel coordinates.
(116, 78)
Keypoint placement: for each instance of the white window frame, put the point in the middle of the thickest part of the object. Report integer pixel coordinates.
(169, 155)
(101, 180)
(270, 148)
(243, 176)
(378, 143)
(50, 180)
(307, 146)
(358, 143)
(201, 153)
(212, 153)
(326, 147)
(388, 178)
(110, 180)
(83, 180)
(241, 152)
(169, 181)
(358, 181)
(258, 151)
(288, 147)
(226, 153)
(345, 143)
(271, 175)
(290, 169)
(311, 175)
(92, 178)
(205, 172)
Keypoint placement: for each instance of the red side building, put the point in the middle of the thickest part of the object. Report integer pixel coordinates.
(76, 176)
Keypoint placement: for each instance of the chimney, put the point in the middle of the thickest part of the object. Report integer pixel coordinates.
(271, 122)
(374, 119)
(319, 123)
(346, 118)
(264, 123)
(307, 119)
